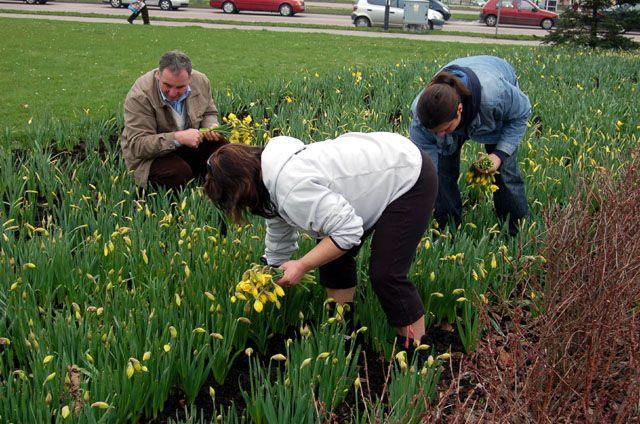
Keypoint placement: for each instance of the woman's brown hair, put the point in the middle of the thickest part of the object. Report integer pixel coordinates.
(234, 182)
(439, 101)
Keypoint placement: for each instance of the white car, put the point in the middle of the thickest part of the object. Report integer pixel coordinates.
(162, 4)
(368, 13)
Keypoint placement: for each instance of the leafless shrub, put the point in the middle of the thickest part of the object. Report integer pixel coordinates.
(580, 360)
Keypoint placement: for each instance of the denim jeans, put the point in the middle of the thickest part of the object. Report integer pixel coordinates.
(510, 199)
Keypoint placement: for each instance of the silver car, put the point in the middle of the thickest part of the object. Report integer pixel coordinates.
(368, 13)
(162, 4)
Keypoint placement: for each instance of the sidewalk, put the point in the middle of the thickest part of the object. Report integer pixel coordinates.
(424, 37)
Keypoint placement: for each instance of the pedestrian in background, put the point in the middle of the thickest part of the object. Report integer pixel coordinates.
(137, 8)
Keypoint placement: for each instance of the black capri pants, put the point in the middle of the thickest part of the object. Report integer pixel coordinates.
(396, 235)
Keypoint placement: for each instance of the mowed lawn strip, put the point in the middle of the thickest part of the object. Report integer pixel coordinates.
(65, 69)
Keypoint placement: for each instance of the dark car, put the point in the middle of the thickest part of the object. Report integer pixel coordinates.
(438, 6)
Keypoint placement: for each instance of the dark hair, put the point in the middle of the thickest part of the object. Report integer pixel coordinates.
(234, 182)
(175, 61)
(439, 101)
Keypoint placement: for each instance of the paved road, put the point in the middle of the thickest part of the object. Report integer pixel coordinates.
(302, 18)
(431, 37)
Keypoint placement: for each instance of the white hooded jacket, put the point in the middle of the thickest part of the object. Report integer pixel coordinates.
(336, 188)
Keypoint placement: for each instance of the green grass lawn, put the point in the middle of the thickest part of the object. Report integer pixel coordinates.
(64, 68)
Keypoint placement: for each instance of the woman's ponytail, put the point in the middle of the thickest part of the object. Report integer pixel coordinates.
(439, 101)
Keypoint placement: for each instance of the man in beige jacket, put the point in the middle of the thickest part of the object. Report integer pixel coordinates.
(163, 113)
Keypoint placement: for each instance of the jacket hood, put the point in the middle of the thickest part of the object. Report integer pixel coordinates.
(276, 154)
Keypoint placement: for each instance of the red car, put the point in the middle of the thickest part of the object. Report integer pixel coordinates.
(519, 12)
(284, 7)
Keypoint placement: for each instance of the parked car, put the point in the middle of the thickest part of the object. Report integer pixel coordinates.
(519, 12)
(162, 4)
(284, 7)
(368, 13)
(35, 1)
(440, 7)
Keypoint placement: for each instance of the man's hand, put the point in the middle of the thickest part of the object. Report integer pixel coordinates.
(212, 135)
(190, 138)
(293, 272)
(496, 164)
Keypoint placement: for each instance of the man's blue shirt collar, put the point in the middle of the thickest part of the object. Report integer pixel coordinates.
(178, 105)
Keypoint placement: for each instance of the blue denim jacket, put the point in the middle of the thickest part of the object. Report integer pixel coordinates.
(503, 116)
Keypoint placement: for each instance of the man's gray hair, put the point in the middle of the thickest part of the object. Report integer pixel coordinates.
(175, 61)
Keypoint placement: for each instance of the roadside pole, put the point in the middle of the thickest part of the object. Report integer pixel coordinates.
(386, 14)
(498, 18)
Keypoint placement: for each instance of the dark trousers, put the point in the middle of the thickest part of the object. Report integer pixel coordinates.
(510, 200)
(396, 235)
(176, 169)
(145, 16)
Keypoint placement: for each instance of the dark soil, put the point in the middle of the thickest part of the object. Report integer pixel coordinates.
(373, 367)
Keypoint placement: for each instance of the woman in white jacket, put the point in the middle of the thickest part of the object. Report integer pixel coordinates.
(339, 191)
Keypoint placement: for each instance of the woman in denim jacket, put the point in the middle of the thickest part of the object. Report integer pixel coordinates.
(475, 97)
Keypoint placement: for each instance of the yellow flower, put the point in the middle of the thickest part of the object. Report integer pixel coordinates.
(167, 347)
(130, 370)
(101, 405)
(49, 378)
(47, 359)
(305, 363)
(146, 356)
(257, 305)
(279, 291)
(65, 412)
(323, 355)
(278, 357)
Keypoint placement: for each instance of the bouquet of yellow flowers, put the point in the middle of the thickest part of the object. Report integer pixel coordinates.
(259, 285)
(236, 130)
(481, 184)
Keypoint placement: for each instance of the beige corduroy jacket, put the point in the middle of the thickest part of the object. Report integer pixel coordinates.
(149, 126)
